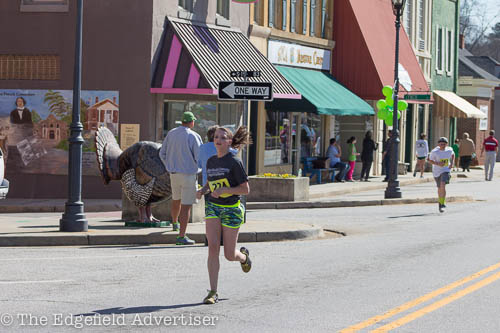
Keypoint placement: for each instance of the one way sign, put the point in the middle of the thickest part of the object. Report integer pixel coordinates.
(246, 90)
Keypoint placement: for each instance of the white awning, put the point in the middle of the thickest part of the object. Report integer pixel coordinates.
(449, 104)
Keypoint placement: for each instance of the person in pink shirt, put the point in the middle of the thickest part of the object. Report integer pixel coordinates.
(490, 144)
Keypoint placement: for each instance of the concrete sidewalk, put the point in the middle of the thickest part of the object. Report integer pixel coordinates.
(36, 222)
(42, 229)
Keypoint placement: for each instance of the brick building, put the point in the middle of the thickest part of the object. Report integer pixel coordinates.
(477, 86)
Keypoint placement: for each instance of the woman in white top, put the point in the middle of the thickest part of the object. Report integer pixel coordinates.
(421, 151)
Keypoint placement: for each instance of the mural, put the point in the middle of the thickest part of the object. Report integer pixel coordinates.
(35, 127)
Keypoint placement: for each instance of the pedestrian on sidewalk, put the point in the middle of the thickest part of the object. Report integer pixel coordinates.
(386, 155)
(179, 153)
(467, 148)
(456, 148)
(442, 158)
(490, 144)
(334, 152)
(227, 181)
(369, 146)
(353, 154)
(421, 152)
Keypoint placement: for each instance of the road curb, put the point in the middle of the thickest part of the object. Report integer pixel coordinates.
(43, 208)
(373, 186)
(85, 239)
(357, 203)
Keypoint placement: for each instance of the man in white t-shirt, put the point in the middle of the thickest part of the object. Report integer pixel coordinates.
(442, 158)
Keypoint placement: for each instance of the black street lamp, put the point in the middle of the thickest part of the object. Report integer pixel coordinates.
(73, 218)
(393, 190)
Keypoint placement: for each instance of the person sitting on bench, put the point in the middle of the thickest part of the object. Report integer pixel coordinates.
(334, 152)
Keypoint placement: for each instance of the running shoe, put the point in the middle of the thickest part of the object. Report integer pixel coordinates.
(175, 226)
(184, 241)
(211, 298)
(247, 265)
(441, 208)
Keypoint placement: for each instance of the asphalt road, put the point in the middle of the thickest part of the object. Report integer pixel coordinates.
(394, 260)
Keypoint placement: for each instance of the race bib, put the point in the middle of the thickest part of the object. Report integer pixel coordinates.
(219, 183)
(445, 161)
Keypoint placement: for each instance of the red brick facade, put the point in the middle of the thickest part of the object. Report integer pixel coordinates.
(471, 125)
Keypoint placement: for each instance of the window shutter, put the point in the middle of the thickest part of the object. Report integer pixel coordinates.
(271, 13)
(284, 15)
(313, 11)
(304, 18)
(323, 18)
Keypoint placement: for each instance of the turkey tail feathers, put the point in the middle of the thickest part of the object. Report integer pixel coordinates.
(108, 152)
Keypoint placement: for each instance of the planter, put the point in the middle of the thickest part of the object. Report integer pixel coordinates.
(278, 189)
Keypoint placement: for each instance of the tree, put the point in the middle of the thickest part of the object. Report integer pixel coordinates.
(35, 117)
(474, 24)
(57, 104)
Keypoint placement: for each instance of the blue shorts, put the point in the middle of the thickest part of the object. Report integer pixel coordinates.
(231, 216)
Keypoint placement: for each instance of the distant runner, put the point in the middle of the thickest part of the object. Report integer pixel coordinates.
(442, 158)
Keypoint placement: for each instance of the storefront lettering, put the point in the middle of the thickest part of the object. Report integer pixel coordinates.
(298, 55)
(317, 59)
(303, 58)
(282, 54)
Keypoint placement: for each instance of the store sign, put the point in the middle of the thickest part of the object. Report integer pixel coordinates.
(281, 53)
(483, 123)
(417, 97)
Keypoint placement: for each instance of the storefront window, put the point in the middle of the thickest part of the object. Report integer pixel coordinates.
(207, 114)
(310, 135)
(230, 115)
(278, 138)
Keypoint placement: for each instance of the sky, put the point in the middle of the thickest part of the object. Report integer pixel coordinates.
(492, 9)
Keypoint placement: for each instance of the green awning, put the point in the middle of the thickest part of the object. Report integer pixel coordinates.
(321, 94)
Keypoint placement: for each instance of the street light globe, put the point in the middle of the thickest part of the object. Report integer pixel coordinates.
(398, 6)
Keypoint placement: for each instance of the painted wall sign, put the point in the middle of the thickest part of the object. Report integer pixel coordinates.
(281, 53)
(129, 134)
(35, 126)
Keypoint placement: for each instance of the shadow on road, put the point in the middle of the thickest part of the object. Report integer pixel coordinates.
(412, 215)
(139, 309)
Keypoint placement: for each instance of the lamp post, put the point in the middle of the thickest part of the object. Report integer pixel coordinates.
(393, 190)
(73, 218)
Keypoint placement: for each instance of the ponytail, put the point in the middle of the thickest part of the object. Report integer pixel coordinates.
(241, 138)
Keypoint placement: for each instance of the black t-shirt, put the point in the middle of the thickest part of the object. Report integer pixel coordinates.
(226, 171)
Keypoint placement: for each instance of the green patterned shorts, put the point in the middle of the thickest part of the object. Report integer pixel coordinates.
(232, 216)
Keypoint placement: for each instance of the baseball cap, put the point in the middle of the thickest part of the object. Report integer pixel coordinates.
(188, 117)
(443, 139)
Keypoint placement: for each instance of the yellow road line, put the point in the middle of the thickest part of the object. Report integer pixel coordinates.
(413, 303)
(434, 306)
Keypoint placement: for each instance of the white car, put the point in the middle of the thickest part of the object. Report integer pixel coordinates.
(4, 183)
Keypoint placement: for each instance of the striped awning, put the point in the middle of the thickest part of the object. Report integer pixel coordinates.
(449, 104)
(195, 58)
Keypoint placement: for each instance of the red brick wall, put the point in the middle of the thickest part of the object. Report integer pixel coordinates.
(471, 126)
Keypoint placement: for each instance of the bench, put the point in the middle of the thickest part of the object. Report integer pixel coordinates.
(311, 171)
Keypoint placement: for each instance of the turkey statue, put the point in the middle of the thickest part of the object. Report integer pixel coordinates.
(142, 173)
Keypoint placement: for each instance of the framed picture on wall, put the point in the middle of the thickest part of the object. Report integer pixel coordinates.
(44, 5)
